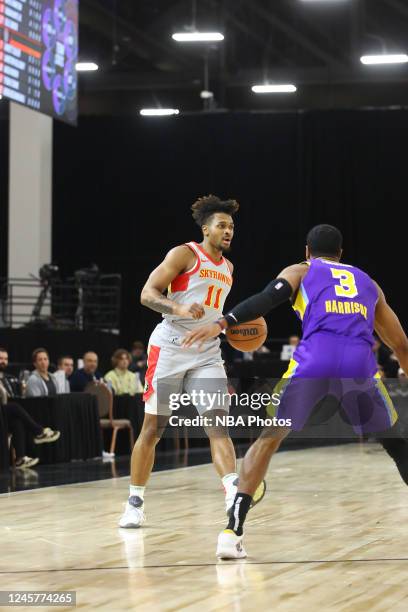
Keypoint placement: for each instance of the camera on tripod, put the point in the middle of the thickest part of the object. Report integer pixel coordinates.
(48, 273)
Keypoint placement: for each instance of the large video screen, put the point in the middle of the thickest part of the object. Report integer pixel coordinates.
(38, 54)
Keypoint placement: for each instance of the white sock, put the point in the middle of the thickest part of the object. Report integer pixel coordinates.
(229, 479)
(138, 491)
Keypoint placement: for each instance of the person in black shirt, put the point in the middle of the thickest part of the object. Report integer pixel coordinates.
(10, 383)
(139, 360)
(88, 373)
(18, 419)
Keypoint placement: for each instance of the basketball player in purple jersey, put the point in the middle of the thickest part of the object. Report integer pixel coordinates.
(340, 307)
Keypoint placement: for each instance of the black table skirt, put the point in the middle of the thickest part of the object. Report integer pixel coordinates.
(4, 452)
(258, 368)
(76, 416)
(129, 407)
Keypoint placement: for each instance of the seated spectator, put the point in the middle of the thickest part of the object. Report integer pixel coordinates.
(139, 359)
(65, 363)
(385, 358)
(87, 374)
(65, 368)
(41, 381)
(10, 382)
(19, 422)
(251, 355)
(290, 348)
(123, 381)
(263, 350)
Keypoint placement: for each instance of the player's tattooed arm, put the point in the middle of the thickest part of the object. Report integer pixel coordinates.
(389, 328)
(158, 303)
(178, 260)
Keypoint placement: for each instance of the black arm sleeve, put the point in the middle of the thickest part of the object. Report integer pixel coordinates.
(277, 292)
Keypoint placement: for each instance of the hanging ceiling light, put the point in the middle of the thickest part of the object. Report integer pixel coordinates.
(159, 112)
(384, 58)
(86, 67)
(284, 88)
(198, 36)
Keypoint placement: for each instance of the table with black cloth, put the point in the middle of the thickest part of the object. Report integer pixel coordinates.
(4, 452)
(76, 416)
(258, 368)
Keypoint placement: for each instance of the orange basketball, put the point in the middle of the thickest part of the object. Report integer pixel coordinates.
(249, 336)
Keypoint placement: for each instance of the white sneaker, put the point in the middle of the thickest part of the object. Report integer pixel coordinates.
(26, 462)
(230, 546)
(133, 515)
(48, 435)
(230, 494)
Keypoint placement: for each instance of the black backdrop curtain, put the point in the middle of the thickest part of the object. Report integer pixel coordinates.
(4, 168)
(123, 188)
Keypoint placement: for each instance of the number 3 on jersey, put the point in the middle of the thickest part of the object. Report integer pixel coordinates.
(347, 287)
(213, 301)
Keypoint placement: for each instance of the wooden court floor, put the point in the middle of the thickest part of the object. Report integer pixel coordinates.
(331, 534)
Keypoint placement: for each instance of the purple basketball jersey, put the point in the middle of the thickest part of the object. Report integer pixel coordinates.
(338, 299)
(336, 303)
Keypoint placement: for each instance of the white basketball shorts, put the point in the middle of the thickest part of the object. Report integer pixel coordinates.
(174, 371)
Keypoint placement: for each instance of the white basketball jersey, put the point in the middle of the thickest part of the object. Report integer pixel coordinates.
(207, 283)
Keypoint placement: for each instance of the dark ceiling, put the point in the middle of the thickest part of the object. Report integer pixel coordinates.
(314, 44)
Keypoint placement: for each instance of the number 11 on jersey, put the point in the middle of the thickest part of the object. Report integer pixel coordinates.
(213, 301)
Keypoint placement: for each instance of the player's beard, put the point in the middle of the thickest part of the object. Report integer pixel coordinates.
(224, 249)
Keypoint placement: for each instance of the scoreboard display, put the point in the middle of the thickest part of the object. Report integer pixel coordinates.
(38, 55)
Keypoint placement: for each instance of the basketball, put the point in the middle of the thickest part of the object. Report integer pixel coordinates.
(247, 337)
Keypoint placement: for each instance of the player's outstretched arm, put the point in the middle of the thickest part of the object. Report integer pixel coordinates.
(177, 261)
(390, 331)
(278, 291)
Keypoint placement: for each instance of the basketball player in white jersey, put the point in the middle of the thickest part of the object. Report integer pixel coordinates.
(198, 278)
